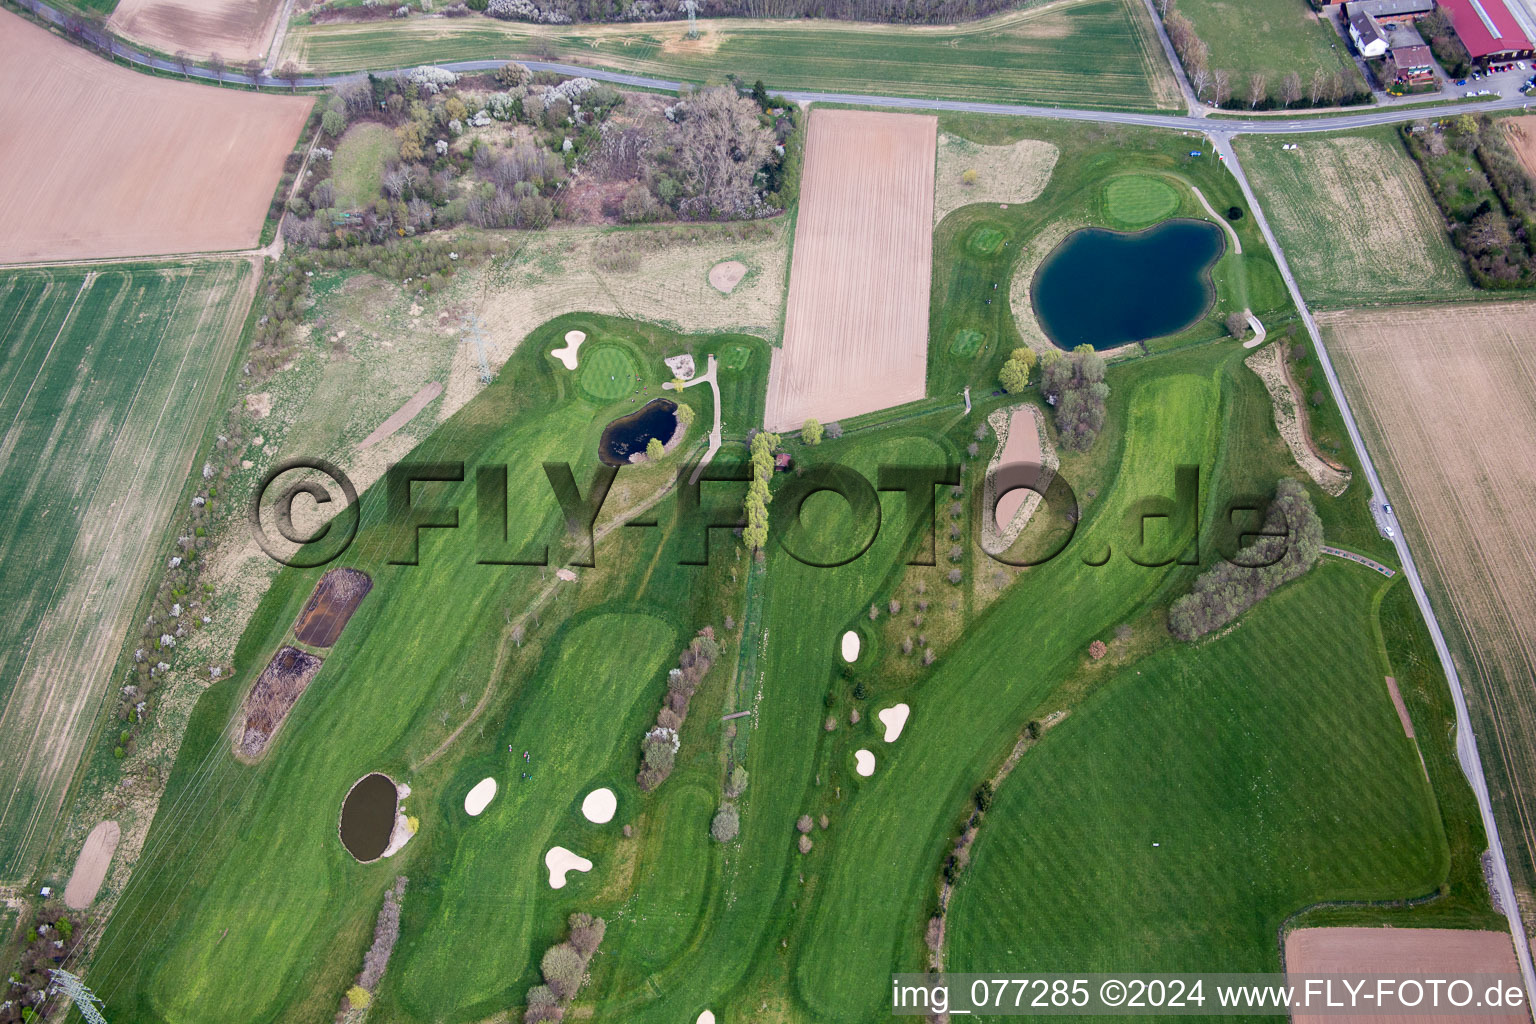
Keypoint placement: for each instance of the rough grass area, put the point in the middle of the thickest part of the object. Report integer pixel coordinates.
(1354, 217)
(970, 173)
(112, 374)
(358, 166)
(1273, 37)
(1099, 53)
(1136, 200)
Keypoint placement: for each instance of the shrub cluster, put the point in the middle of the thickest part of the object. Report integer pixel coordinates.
(658, 749)
(1074, 384)
(1488, 200)
(386, 932)
(756, 533)
(564, 967)
(48, 941)
(1291, 542)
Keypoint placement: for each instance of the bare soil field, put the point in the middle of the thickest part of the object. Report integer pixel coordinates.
(237, 30)
(100, 161)
(277, 690)
(856, 327)
(1398, 952)
(726, 276)
(1521, 133)
(1448, 397)
(1015, 173)
(1356, 220)
(91, 866)
(325, 614)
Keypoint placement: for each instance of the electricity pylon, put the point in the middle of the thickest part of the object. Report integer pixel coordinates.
(64, 983)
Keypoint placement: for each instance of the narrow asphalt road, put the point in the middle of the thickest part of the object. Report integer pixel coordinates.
(1466, 740)
(1221, 133)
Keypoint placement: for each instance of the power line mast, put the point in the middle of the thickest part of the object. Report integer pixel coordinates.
(692, 7)
(64, 983)
(474, 331)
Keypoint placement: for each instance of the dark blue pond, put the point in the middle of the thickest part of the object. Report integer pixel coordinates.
(1107, 288)
(630, 434)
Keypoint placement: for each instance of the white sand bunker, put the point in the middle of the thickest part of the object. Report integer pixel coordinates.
(567, 355)
(559, 860)
(864, 762)
(480, 797)
(894, 719)
(707, 1017)
(600, 805)
(850, 646)
(726, 276)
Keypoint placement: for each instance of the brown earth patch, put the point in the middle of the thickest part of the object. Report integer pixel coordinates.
(116, 163)
(1521, 133)
(1399, 952)
(277, 690)
(1402, 709)
(726, 276)
(856, 328)
(91, 866)
(259, 405)
(235, 29)
(335, 598)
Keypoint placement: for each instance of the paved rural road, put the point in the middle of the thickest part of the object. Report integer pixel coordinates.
(1466, 740)
(1221, 133)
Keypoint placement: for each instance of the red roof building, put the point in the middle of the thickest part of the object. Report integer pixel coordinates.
(1487, 29)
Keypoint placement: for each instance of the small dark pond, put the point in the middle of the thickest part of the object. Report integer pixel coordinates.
(368, 816)
(1107, 288)
(630, 434)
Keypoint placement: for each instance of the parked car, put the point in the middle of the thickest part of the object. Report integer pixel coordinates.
(1461, 81)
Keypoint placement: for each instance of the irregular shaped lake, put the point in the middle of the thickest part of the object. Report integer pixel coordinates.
(368, 816)
(1107, 288)
(629, 435)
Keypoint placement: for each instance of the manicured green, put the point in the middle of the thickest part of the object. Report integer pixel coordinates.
(1136, 200)
(967, 343)
(606, 372)
(1098, 53)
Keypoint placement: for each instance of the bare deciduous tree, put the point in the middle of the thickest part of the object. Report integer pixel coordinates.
(1258, 88)
(1221, 86)
(1290, 88)
(1319, 86)
(1200, 79)
(253, 68)
(721, 146)
(216, 65)
(289, 73)
(183, 60)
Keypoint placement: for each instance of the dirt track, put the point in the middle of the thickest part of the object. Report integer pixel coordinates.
(856, 330)
(97, 160)
(237, 30)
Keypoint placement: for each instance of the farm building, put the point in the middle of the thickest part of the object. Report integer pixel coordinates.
(1413, 64)
(1367, 35)
(1393, 10)
(1487, 29)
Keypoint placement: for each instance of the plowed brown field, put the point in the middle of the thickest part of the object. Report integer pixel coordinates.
(1448, 397)
(237, 30)
(1400, 953)
(856, 330)
(100, 161)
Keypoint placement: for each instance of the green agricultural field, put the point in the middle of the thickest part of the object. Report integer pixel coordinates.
(111, 375)
(1271, 38)
(1097, 53)
(1355, 218)
(358, 166)
(1266, 761)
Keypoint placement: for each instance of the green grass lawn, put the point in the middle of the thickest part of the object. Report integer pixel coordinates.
(357, 169)
(1098, 53)
(1271, 37)
(110, 375)
(1357, 223)
(606, 372)
(1136, 200)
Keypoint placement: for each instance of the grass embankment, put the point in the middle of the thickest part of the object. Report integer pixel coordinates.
(113, 374)
(1098, 53)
